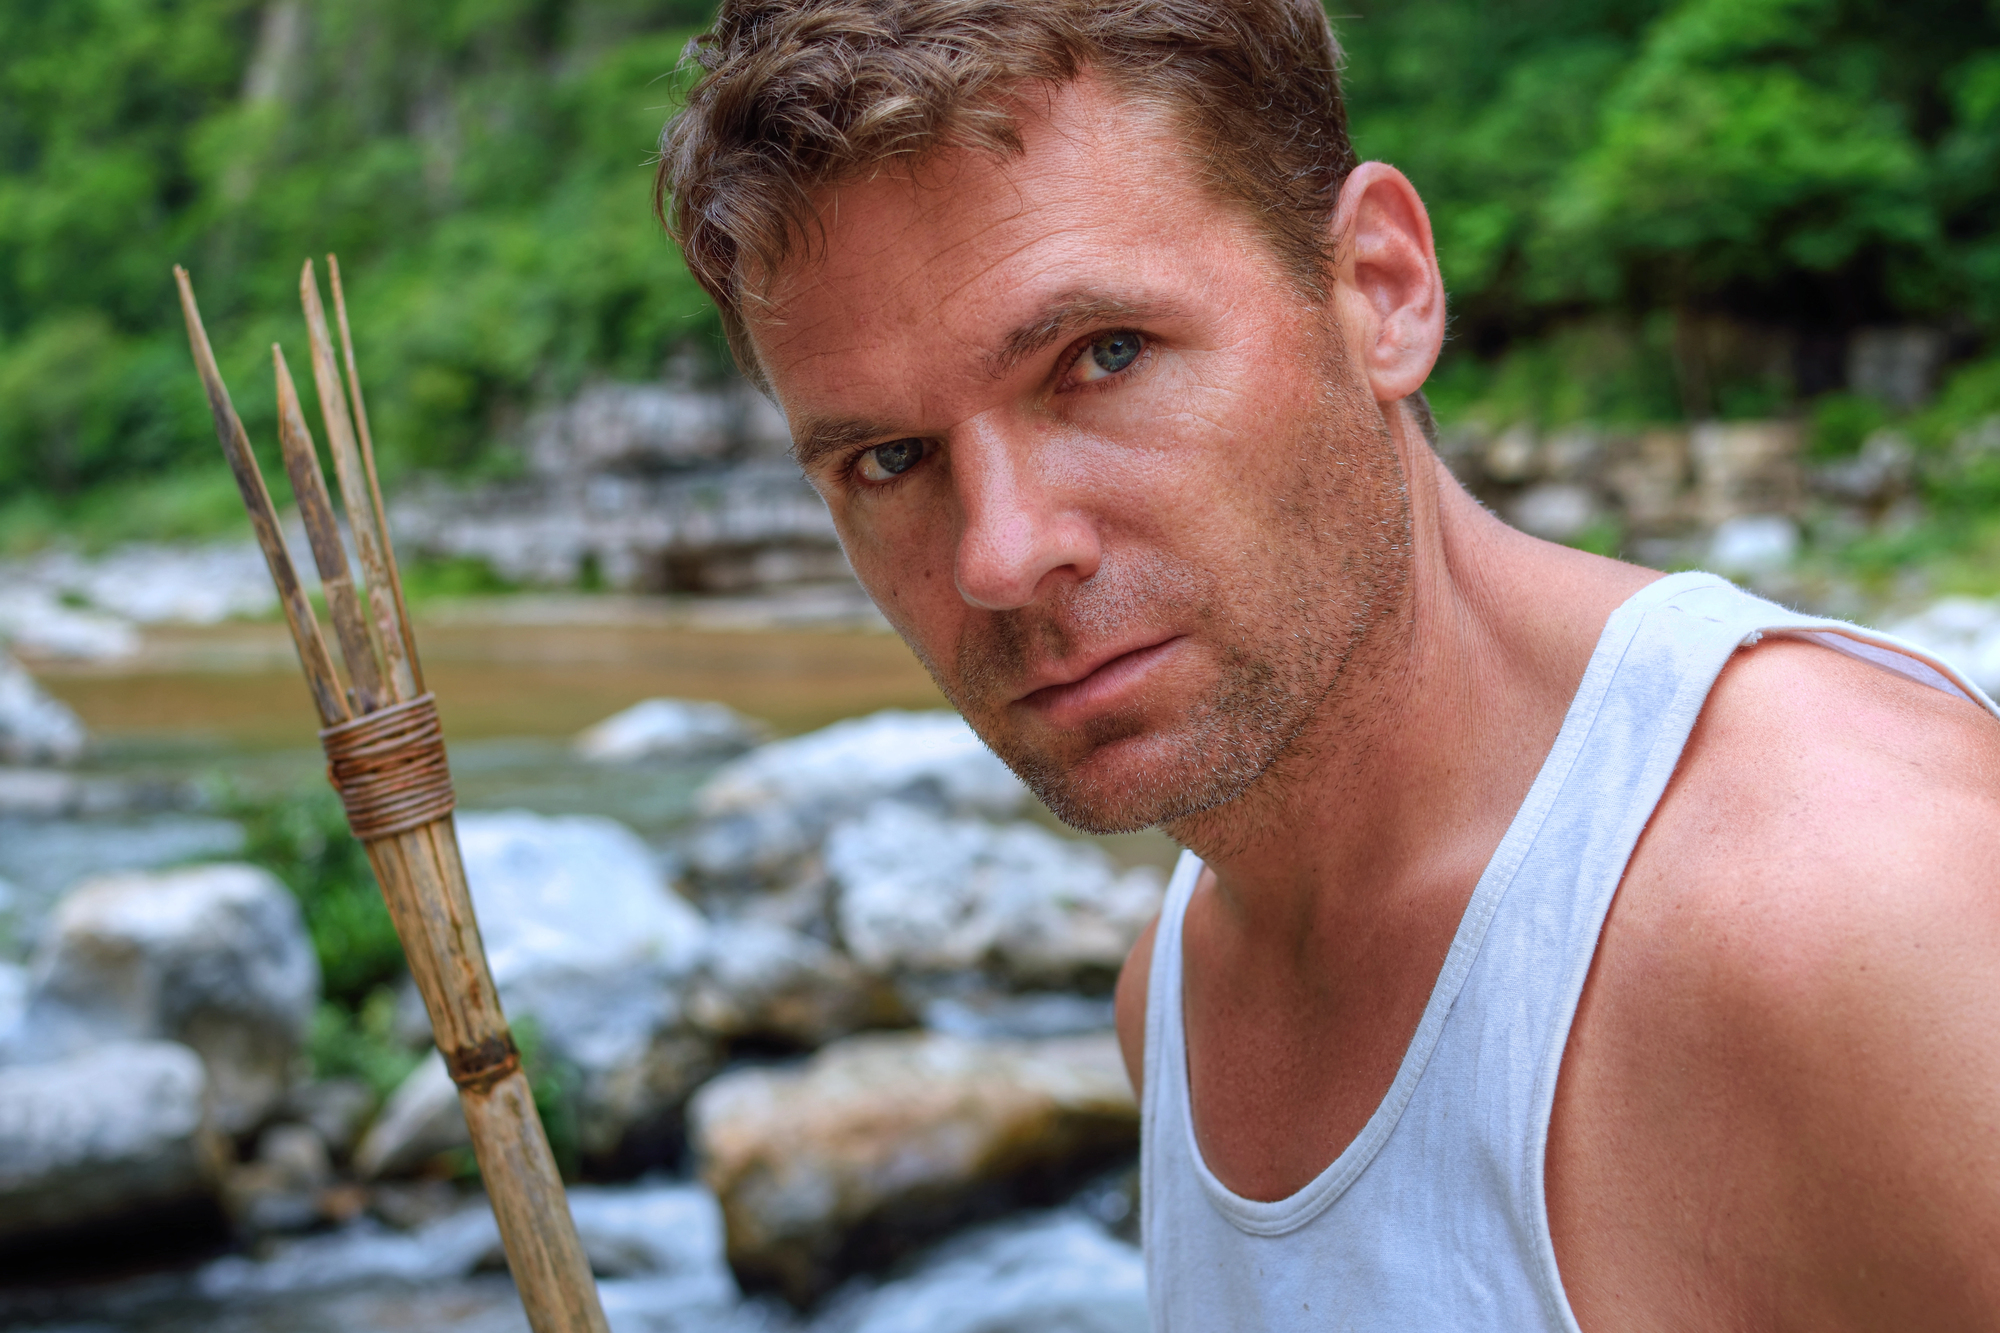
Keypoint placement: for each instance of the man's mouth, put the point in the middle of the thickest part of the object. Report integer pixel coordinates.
(1086, 689)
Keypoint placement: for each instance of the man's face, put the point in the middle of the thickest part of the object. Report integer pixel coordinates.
(1094, 456)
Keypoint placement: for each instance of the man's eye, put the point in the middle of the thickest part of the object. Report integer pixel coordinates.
(1106, 355)
(887, 461)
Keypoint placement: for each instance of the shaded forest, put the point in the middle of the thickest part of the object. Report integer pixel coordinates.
(1646, 211)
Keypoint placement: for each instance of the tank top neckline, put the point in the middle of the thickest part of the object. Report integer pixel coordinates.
(1280, 1216)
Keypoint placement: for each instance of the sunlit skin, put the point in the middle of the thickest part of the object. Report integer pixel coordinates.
(1158, 521)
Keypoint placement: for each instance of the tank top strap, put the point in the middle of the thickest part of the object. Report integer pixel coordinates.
(1165, 1057)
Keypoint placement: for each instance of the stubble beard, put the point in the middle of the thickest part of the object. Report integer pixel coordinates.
(1287, 632)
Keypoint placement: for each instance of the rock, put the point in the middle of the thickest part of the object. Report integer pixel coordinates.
(1555, 510)
(215, 957)
(1040, 1014)
(190, 585)
(1511, 455)
(1898, 365)
(1572, 454)
(13, 985)
(336, 1108)
(35, 621)
(1754, 544)
(634, 428)
(763, 981)
(634, 1052)
(1876, 477)
(100, 1136)
(776, 801)
(1745, 467)
(572, 891)
(880, 1140)
(280, 1188)
(592, 951)
(421, 1119)
(659, 533)
(51, 793)
(35, 728)
(919, 893)
(1044, 1273)
(1964, 631)
(1648, 478)
(669, 729)
(45, 857)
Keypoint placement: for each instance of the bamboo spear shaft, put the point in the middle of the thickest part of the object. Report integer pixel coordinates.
(313, 657)
(368, 462)
(370, 539)
(350, 627)
(386, 758)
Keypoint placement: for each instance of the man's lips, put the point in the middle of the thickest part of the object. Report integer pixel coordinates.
(1094, 687)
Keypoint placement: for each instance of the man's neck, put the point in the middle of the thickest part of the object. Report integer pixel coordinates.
(1408, 776)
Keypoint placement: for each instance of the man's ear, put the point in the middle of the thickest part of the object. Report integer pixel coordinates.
(1387, 289)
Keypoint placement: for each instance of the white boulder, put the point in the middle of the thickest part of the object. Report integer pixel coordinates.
(35, 620)
(101, 1135)
(35, 727)
(777, 801)
(194, 585)
(669, 729)
(763, 980)
(577, 891)
(1754, 543)
(920, 893)
(421, 1119)
(215, 957)
(592, 951)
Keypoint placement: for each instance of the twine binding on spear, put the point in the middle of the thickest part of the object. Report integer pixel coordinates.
(386, 757)
(389, 768)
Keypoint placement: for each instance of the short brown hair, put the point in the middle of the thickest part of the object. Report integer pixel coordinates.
(801, 94)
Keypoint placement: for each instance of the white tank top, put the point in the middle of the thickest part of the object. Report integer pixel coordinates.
(1434, 1218)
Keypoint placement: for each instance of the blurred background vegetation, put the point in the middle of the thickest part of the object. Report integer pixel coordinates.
(1647, 211)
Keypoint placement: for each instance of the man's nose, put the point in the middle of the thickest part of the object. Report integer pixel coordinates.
(1023, 526)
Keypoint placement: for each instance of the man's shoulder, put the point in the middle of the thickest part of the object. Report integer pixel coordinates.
(1789, 1014)
(1823, 807)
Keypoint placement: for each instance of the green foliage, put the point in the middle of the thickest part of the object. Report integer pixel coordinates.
(302, 838)
(360, 1042)
(481, 166)
(1604, 176)
(554, 1084)
(456, 576)
(1840, 422)
(1801, 166)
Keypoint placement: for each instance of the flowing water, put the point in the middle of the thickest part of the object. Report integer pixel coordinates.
(515, 681)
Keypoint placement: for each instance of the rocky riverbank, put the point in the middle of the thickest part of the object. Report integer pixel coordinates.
(857, 1000)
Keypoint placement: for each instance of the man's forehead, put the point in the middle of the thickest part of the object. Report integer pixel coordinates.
(962, 250)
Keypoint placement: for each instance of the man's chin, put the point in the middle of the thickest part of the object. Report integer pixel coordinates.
(1115, 785)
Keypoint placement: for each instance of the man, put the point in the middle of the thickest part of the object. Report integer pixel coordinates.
(1106, 358)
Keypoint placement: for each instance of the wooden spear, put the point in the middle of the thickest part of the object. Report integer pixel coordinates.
(385, 755)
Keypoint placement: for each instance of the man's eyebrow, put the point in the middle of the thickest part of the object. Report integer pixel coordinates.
(1062, 316)
(832, 435)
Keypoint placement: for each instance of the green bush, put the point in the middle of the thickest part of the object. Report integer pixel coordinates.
(302, 838)
(361, 1043)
